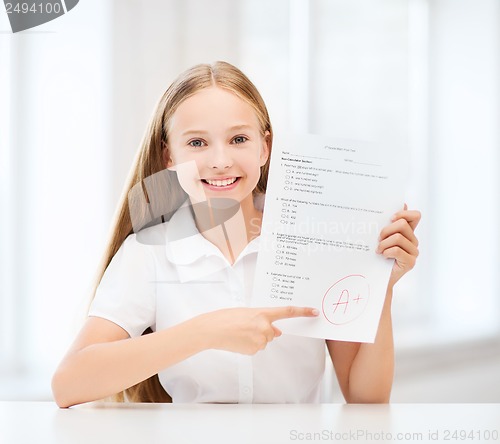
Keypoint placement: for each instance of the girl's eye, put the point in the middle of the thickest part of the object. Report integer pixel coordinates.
(239, 139)
(197, 143)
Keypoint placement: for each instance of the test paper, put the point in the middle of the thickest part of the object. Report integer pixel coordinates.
(326, 202)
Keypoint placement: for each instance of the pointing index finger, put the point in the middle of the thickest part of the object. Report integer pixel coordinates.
(276, 313)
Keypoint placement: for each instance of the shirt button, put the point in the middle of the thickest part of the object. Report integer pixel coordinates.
(246, 390)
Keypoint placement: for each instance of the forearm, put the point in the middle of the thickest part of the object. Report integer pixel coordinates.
(101, 363)
(372, 370)
(103, 369)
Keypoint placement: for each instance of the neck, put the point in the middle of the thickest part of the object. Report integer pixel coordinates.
(229, 229)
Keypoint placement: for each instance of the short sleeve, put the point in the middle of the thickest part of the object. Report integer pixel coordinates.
(127, 292)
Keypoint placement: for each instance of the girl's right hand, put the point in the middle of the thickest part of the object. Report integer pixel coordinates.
(245, 330)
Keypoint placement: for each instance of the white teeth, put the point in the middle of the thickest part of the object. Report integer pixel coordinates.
(221, 183)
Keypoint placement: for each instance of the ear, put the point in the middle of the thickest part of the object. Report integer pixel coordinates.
(167, 160)
(266, 148)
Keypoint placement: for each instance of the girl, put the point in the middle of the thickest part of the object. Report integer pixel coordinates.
(170, 319)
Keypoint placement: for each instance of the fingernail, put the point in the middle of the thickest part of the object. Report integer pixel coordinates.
(315, 312)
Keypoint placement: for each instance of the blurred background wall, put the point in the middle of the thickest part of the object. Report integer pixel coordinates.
(76, 95)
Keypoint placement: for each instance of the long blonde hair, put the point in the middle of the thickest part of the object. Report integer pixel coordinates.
(149, 162)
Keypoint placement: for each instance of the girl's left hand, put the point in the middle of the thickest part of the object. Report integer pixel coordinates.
(398, 241)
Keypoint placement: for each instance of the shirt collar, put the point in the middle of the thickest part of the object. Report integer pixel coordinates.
(185, 244)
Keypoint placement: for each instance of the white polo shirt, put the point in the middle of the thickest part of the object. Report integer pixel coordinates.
(169, 273)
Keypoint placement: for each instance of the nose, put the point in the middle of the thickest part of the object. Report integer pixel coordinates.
(221, 158)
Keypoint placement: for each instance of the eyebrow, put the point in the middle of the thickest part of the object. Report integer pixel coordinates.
(233, 128)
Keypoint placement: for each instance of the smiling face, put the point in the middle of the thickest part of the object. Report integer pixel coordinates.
(216, 145)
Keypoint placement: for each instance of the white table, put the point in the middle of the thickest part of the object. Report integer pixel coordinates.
(93, 423)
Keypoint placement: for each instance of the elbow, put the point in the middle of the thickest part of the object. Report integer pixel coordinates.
(59, 390)
(368, 400)
(375, 397)
(377, 391)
